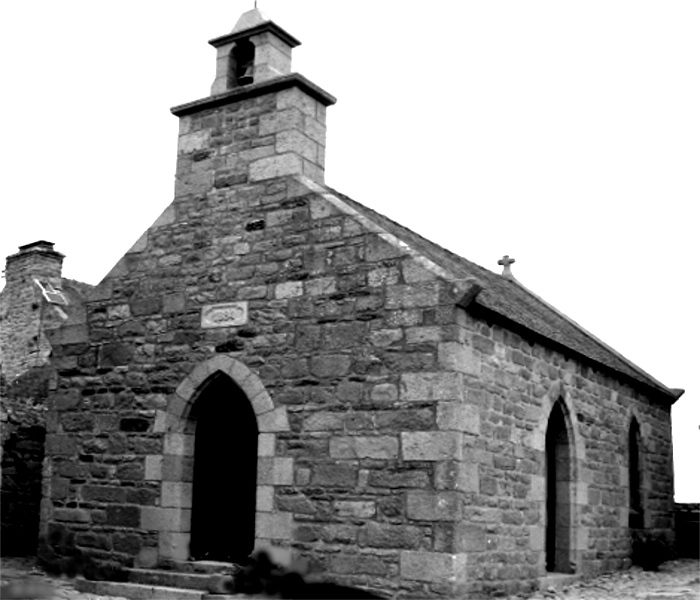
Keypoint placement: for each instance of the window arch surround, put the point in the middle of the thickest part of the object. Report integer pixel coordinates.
(560, 480)
(173, 517)
(560, 397)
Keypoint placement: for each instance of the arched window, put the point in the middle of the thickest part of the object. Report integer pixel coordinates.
(241, 64)
(559, 451)
(636, 518)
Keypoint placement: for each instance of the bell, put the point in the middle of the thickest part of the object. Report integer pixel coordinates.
(247, 76)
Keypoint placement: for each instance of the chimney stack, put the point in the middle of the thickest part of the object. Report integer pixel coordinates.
(35, 267)
(37, 260)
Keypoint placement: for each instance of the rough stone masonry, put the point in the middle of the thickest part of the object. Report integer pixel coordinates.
(31, 276)
(425, 427)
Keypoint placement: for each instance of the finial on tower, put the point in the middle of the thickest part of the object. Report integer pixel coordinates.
(506, 261)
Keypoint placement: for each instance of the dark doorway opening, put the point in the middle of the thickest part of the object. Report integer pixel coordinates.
(20, 491)
(636, 515)
(225, 473)
(559, 495)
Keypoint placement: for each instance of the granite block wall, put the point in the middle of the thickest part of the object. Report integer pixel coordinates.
(402, 438)
(519, 381)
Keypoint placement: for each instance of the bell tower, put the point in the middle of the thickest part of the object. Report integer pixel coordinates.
(260, 121)
(256, 50)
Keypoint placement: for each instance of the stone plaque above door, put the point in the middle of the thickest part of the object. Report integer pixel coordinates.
(228, 314)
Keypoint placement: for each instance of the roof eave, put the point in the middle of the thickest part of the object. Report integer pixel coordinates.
(677, 393)
(585, 332)
(254, 90)
(481, 311)
(234, 36)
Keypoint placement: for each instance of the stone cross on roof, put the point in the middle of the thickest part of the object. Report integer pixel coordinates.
(506, 261)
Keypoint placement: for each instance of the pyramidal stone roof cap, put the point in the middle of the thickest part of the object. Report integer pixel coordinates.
(252, 22)
(250, 19)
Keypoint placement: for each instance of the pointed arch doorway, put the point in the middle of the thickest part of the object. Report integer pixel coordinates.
(225, 472)
(559, 465)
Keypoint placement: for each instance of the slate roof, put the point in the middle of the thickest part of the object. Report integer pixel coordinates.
(511, 301)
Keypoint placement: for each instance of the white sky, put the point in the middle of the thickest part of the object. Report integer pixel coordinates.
(566, 134)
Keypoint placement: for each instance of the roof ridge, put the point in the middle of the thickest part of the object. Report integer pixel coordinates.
(356, 209)
(594, 337)
(516, 302)
(435, 246)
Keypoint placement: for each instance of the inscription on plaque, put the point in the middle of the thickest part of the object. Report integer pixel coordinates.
(230, 314)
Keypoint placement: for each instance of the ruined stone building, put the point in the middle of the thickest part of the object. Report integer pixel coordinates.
(35, 300)
(273, 364)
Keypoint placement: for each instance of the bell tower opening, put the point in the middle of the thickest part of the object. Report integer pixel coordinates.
(241, 64)
(558, 446)
(257, 50)
(225, 473)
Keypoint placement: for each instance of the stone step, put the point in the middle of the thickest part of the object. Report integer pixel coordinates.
(207, 581)
(137, 591)
(199, 566)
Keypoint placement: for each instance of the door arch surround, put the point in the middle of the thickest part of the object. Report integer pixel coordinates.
(224, 472)
(173, 518)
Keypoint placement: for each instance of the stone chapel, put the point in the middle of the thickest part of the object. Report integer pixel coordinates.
(275, 365)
